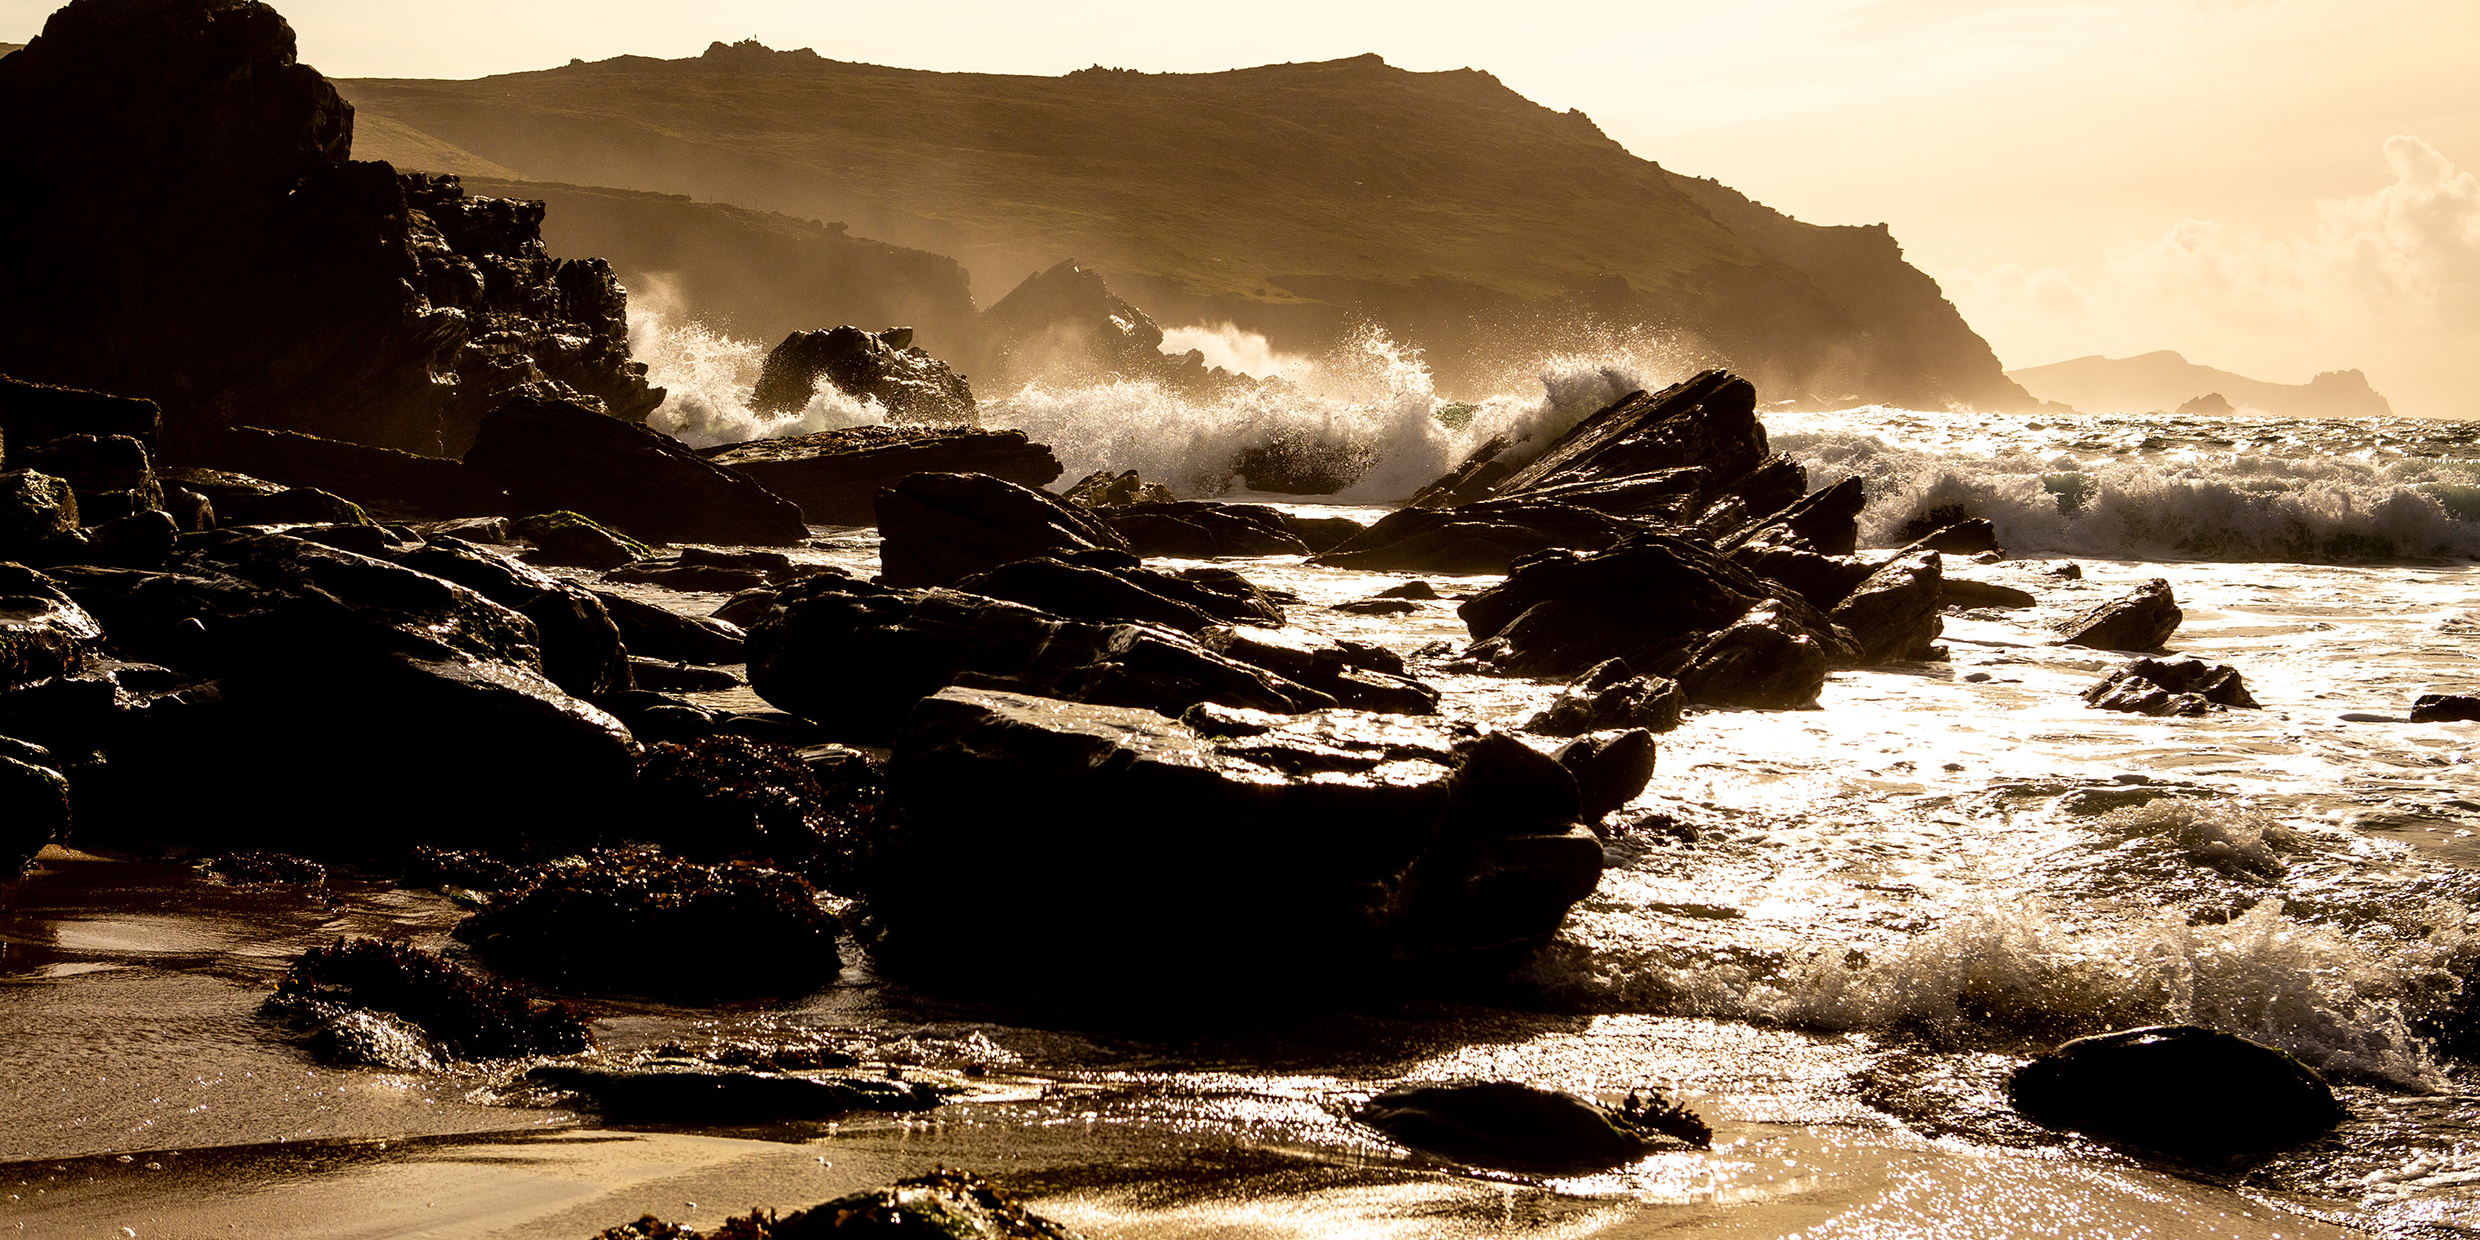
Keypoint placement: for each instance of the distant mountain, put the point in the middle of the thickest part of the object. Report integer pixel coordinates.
(2166, 380)
(1291, 199)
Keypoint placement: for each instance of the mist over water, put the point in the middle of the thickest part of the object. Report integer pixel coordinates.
(707, 376)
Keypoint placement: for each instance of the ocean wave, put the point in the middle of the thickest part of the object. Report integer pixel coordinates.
(707, 377)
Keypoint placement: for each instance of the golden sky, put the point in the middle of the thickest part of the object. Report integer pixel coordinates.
(2275, 187)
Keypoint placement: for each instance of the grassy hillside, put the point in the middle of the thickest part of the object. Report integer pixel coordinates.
(1286, 197)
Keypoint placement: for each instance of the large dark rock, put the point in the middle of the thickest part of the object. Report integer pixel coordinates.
(1708, 422)
(2177, 1089)
(1094, 594)
(1514, 1127)
(677, 1092)
(110, 474)
(1826, 520)
(38, 517)
(554, 454)
(2446, 708)
(1484, 536)
(1610, 769)
(1781, 556)
(1669, 607)
(1064, 324)
(1356, 676)
(35, 413)
(310, 685)
(937, 529)
(2162, 687)
(1197, 529)
(855, 656)
(645, 925)
(582, 651)
(34, 809)
(43, 632)
(1337, 850)
(835, 476)
(395, 484)
(1892, 615)
(183, 207)
(1609, 695)
(661, 633)
(2142, 620)
(907, 382)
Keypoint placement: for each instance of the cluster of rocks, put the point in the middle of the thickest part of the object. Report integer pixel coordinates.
(2163, 687)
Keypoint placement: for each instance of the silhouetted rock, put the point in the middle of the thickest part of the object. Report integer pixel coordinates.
(1513, 1127)
(1708, 422)
(637, 924)
(1395, 853)
(1970, 536)
(661, 633)
(43, 632)
(459, 1013)
(2177, 1089)
(35, 413)
(582, 651)
(1094, 594)
(2162, 687)
(396, 484)
(2445, 708)
(1963, 592)
(554, 454)
(907, 382)
(1826, 520)
(1064, 323)
(1105, 489)
(1356, 676)
(1197, 529)
(2142, 620)
(1610, 768)
(297, 289)
(835, 476)
(1778, 555)
(111, 474)
(936, 529)
(1608, 695)
(690, 1092)
(1892, 616)
(1484, 536)
(34, 810)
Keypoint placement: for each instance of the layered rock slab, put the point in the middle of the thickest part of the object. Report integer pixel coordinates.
(835, 476)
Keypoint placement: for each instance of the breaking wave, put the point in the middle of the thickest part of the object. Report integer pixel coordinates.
(707, 377)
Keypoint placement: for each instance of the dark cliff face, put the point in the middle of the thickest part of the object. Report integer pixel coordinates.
(185, 215)
(1290, 199)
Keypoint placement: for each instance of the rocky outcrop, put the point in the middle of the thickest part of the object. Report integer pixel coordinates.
(1609, 695)
(1667, 606)
(855, 656)
(1892, 615)
(1065, 323)
(884, 367)
(936, 529)
(2177, 1089)
(35, 413)
(2162, 687)
(1395, 853)
(300, 290)
(1484, 536)
(835, 476)
(2141, 620)
(553, 453)
(1626, 459)
(2446, 708)
(646, 925)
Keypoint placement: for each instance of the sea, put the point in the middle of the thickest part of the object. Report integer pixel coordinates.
(1831, 932)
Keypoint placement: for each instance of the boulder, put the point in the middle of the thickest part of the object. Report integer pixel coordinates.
(884, 367)
(43, 632)
(2446, 708)
(835, 476)
(2141, 620)
(110, 474)
(1514, 1127)
(396, 484)
(661, 633)
(694, 1093)
(1963, 593)
(632, 923)
(1610, 769)
(1892, 615)
(2162, 687)
(555, 454)
(34, 810)
(1340, 850)
(1608, 695)
(460, 1013)
(1707, 422)
(2177, 1089)
(1196, 529)
(582, 651)
(936, 529)
(573, 540)
(1669, 607)
(1485, 536)
(298, 288)
(38, 517)
(855, 656)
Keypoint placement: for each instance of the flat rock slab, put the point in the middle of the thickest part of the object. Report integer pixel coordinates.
(835, 476)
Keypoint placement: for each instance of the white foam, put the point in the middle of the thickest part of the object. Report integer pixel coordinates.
(707, 377)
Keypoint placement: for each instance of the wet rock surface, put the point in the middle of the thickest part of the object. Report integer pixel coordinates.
(1892, 615)
(947, 1203)
(43, 631)
(456, 1013)
(1398, 853)
(692, 1092)
(2446, 708)
(835, 476)
(2162, 687)
(1484, 536)
(883, 367)
(1609, 695)
(2141, 620)
(1512, 1127)
(936, 529)
(2177, 1089)
(554, 454)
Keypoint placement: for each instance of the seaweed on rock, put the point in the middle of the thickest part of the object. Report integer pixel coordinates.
(461, 1013)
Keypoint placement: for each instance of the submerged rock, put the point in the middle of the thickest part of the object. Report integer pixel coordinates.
(2162, 687)
(1512, 1127)
(2141, 620)
(464, 1015)
(2178, 1089)
(554, 454)
(637, 924)
(689, 1092)
(835, 476)
(936, 529)
(906, 381)
(1338, 850)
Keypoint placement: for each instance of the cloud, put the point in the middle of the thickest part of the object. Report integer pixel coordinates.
(2388, 282)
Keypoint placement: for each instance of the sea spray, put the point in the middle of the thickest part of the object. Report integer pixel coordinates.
(707, 376)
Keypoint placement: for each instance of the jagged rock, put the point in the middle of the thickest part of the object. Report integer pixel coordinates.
(661, 633)
(43, 632)
(582, 651)
(34, 811)
(855, 656)
(1104, 489)
(1197, 529)
(639, 924)
(1484, 536)
(2177, 1089)
(689, 1092)
(936, 529)
(1293, 463)
(835, 476)
(1094, 594)
(555, 455)
(299, 289)
(1516, 1127)
(400, 485)
(1356, 676)
(2142, 620)
(1610, 769)
(1778, 555)
(2445, 708)
(1320, 534)
(2162, 687)
(1965, 593)
(1893, 615)
(308, 684)
(1396, 853)
(1669, 607)
(573, 540)
(1624, 459)
(110, 474)
(1608, 695)
(35, 413)
(1968, 537)
(907, 382)
(1064, 323)
(1826, 521)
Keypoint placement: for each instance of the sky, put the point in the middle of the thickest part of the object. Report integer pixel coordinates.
(2275, 187)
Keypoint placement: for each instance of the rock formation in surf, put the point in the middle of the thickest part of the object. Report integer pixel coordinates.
(882, 367)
